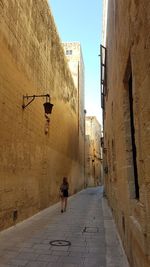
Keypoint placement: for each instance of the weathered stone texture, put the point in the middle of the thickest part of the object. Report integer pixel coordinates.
(73, 52)
(34, 155)
(128, 50)
(93, 154)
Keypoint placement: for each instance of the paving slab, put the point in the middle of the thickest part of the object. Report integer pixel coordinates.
(88, 226)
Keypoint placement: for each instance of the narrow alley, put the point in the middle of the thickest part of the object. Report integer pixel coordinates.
(83, 236)
(75, 113)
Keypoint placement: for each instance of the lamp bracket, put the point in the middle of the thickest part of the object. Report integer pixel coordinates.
(30, 99)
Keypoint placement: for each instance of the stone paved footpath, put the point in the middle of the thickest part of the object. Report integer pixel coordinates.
(87, 225)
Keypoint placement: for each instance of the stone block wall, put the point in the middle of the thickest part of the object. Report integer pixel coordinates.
(93, 151)
(128, 65)
(34, 154)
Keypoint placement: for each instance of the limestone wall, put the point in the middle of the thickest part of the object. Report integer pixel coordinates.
(93, 151)
(75, 61)
(128, 53)
(34, 155)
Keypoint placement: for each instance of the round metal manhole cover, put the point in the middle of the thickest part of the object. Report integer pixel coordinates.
(59, 243)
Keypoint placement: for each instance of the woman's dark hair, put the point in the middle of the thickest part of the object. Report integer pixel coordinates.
(65, 180)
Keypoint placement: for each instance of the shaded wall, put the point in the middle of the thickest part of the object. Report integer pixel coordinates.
(127, 124)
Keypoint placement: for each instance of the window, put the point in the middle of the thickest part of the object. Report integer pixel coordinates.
(68, 52)
(134, 149)
(129, 119)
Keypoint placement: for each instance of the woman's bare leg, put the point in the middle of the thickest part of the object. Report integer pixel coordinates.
(62, 204)
(65, 203)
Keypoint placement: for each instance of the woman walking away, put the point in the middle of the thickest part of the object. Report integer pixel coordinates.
(64, 194)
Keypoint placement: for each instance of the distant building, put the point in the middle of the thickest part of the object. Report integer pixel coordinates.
(93, 152)
(74, 57)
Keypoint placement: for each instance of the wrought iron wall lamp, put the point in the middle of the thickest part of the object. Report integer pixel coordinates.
(47, 105)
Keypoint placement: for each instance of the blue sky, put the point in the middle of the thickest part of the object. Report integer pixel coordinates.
(81, 20)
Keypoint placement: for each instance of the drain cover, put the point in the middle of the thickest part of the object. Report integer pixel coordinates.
(60, 243)
(90, 230)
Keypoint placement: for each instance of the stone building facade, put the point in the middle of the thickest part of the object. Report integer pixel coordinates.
(126, 114)
(36, 150)
(93, 152)
(73, 52)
